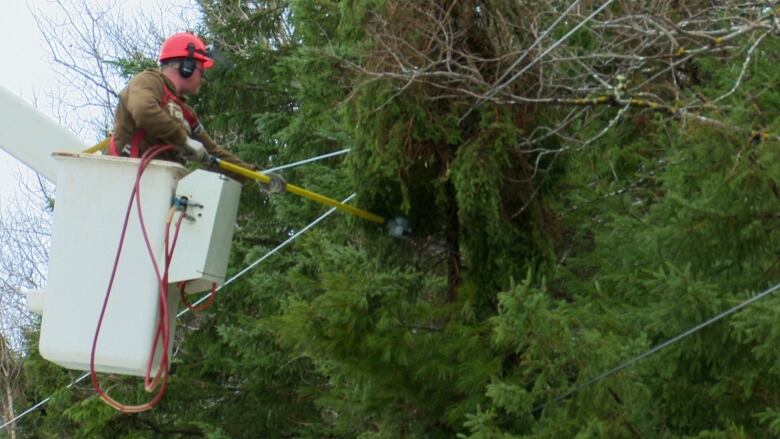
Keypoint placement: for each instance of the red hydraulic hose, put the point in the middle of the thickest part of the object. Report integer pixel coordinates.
(162, 334)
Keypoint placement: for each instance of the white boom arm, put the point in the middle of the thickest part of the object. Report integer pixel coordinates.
(32, 137)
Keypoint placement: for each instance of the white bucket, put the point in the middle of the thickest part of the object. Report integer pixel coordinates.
(92, 198)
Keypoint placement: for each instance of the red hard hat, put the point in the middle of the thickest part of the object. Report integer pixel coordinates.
(178, 46)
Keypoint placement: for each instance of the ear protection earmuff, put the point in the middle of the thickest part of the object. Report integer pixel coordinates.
(188, 64)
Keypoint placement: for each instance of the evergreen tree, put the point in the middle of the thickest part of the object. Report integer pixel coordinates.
(554, 237)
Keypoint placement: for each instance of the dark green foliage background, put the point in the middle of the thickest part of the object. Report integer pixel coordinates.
(507, 294)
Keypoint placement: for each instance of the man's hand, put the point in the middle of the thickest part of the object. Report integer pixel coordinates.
(194, 151)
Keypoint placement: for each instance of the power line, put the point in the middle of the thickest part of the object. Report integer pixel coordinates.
(292, 165)
(555, 45)
(652, 351)
(267, 255)
(538, 41)
(232, 279)
(40, 403)
(560, 397)
(302, 162)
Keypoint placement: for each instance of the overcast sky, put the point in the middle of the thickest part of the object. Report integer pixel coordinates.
(25, 72)
(25, 67)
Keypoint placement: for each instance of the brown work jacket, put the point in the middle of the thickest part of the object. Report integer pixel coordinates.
(140, 107)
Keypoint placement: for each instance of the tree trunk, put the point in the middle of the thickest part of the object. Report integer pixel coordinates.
(9, 409)
(6, 370)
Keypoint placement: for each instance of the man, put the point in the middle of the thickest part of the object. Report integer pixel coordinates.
(152, 111)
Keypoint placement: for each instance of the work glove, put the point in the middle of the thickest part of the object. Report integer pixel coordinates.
(194, 151)
(274, 186)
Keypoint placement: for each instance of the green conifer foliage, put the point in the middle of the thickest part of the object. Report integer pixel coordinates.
(552, 238)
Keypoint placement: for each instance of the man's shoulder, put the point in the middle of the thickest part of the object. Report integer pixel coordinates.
(149, 77)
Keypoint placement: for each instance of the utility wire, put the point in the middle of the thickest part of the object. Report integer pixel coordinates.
(652, 351)
(232, 279)
(558, 398)
(267, 255)
(303, 162)
(42, 402)
(555, 45)
(278, 168)
(536, 43)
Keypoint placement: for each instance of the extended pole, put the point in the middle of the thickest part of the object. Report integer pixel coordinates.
(262, 178)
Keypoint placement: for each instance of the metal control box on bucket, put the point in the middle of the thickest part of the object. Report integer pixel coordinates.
(206, 235)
